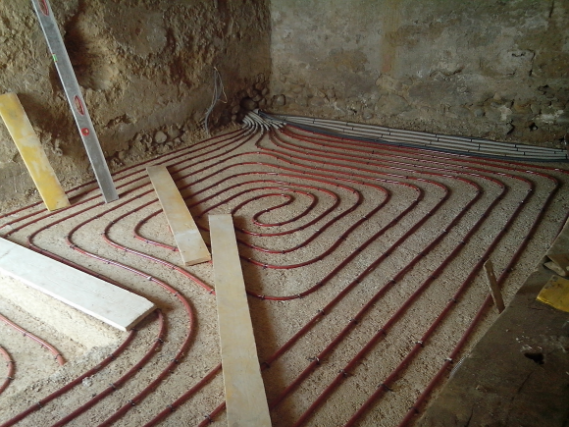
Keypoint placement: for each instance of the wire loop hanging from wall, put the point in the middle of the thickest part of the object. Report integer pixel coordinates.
(218, 91)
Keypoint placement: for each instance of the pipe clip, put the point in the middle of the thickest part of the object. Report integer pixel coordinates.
(315, 359)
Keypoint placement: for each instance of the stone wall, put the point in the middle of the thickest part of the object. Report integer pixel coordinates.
(147, 70)
(489, 68)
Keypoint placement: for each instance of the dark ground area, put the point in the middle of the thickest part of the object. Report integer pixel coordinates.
(518, 374)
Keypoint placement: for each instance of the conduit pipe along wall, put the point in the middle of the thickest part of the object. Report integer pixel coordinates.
(411, 139)
(362, 262)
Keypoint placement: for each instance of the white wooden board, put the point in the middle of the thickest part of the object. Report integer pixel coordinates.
(108, 303)
(186, 234)
(245, 396)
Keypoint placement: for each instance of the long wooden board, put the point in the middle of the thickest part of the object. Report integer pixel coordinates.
(186, 234)
(108, 303)
(32, 152)
(246, 400)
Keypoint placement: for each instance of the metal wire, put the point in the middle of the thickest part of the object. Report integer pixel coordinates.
(218, 91)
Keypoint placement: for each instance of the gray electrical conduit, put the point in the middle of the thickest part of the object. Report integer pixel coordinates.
(423, 140)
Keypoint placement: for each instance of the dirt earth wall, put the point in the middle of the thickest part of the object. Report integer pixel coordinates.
(147, 71)
(490, 68)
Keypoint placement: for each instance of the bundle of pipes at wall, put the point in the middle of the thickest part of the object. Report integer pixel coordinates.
(424, 140)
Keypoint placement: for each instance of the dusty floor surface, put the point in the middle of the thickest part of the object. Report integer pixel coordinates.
(518, 374)
(381, 240)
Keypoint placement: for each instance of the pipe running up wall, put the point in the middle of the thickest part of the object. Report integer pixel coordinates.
(353, 248)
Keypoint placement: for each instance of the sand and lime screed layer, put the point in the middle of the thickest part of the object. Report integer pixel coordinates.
(363, 265)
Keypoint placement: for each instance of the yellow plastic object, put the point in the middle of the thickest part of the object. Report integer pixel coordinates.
(32, 153)
(556, 293)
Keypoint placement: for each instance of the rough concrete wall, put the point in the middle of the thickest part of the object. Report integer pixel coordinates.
(146, 68)
(487, 68)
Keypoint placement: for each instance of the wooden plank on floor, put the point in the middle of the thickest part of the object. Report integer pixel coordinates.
(244, 389)
(102, 300)
(186, 234)
(32, 152)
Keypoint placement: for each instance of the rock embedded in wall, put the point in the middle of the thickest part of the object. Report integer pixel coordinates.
(255, 96)
(160, 137)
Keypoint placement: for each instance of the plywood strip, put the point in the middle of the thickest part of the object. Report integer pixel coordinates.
(32, 153)
(244, 389)
(186, 234)
(108, 303)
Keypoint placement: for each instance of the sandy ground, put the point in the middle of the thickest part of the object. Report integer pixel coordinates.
(337, 196)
